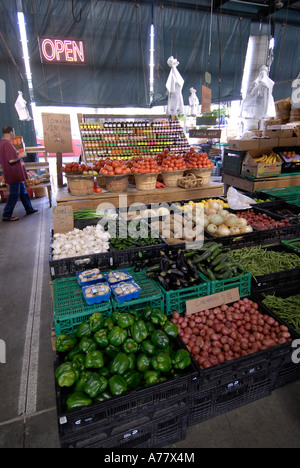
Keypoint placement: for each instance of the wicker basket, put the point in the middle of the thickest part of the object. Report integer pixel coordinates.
(146, 181)
(101, 181)
(205, 173)
(116, 183)
(171, 178)
(295, 114)
(80, 184)
(283, 109)
(190, 181)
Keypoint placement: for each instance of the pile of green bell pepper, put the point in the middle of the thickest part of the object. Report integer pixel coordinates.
(107, 357)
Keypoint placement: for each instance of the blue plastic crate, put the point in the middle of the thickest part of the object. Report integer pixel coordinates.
(96, 299)
(126, 297)
(91, 281)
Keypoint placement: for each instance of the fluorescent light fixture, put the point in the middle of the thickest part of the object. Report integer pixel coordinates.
(24, 42)
(152, 36)
(247, 67)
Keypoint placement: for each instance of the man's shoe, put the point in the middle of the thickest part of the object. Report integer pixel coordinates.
(31, 212)
(11, 219)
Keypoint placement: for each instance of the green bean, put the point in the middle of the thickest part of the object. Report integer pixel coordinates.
(259, 261)
(288, 309)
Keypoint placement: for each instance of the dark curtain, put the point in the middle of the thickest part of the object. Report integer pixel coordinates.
(286, 65)
(185, 35)
(12, 74)
(116, 38)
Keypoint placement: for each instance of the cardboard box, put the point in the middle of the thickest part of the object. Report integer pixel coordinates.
(244, 145)
(273, 131)
(265, 143)
(288, 141)
(260, 170)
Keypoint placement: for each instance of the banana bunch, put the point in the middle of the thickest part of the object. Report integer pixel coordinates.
(271, 159)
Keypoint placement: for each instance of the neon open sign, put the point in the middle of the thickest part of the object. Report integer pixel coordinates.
(61, 51)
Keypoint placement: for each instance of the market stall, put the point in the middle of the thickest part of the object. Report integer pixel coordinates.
(154, 337)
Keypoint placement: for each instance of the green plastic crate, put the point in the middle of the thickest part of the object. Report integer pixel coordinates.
(292, 244)
(175, 300)
(242, 282)
(70, 308)
(151, 294)
(289, 194)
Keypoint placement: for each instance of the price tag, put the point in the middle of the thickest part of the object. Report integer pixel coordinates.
(210, 302)
(99, 289)
(63, 220)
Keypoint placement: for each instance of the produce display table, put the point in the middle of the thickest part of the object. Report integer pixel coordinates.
(255, 185)
(168, 194)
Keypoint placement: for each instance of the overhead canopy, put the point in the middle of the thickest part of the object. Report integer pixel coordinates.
(116, 39)
(12, 73)
(201, 43)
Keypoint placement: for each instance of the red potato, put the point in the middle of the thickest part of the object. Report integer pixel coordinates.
(229, 332)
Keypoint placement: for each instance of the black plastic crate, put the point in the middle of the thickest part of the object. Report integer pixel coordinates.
(240, 381)
(141, 206)
(289, 166)
(282, 208)
(228, 397)
(282, 279)
(154, 429)
(66, 267)
(127, 407)
(233, 161)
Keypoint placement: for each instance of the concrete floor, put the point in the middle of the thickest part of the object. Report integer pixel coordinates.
(27, 403)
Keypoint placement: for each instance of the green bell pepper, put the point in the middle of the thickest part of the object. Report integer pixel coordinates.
(133, 378)
(182, 359)
(117, 336)
(117, 385)
(120, 364)
(151, 377)
(115, 316)
(170, 329)
(84, 375)
(130, 346)
(142, 363)
(96, 321)
(105, 372)
(86, 345)
(67, 374)
(94, 359)
(95, 385)
(79, 360)
(84, 329)
(135, 314)
(160, 339)
(139, 331)
(132, 360)
(125, 320)
(111, 351)
(158, 317)
(77, 400)
(162, 362)
(101, 338)
(150, 327)
(103, 397)
(65, 343)
(145, 314)
(71, 354)
(108, 323)
(148, 348)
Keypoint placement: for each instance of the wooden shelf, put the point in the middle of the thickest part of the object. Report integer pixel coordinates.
(133, 195)
(256, 185)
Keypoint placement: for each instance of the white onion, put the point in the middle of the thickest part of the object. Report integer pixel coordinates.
(246, 229)
(216, 219)
(214, 205)
(234, 230)
(242, 222)
(231, 220)
(212, 228)
(223, 231)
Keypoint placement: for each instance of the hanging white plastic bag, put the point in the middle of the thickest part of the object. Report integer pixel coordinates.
(295, 97)
(21, 107)
(259, 102)
(193, 103)
(174, 87)
(238, 201)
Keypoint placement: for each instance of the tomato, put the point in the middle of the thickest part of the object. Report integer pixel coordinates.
(98, 190)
